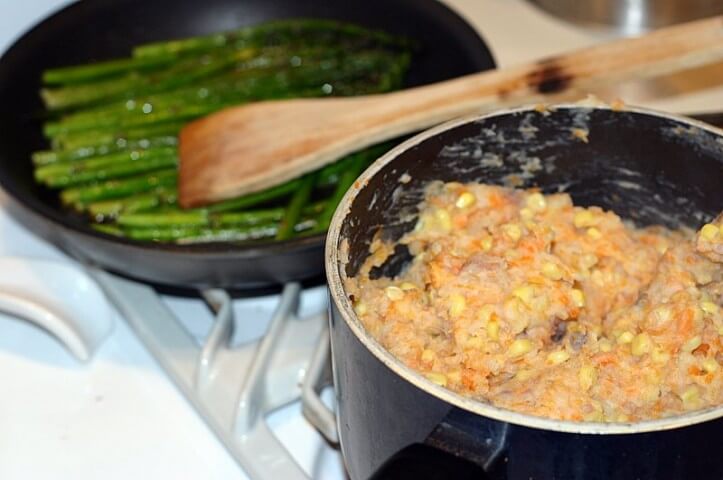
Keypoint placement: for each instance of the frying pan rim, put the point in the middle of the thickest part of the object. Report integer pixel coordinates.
(341, 300)
(201, 250)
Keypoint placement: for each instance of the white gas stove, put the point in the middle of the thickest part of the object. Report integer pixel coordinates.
(121, 415)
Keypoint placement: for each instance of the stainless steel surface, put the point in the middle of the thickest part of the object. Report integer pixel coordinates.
(631, 16)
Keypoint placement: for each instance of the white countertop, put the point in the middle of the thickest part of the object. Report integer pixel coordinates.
(120, 417)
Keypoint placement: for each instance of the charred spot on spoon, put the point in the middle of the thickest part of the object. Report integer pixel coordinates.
(393, 265)
(505, 92)
(549, 77)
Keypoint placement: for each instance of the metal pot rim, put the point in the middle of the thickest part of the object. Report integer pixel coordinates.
(339, 297)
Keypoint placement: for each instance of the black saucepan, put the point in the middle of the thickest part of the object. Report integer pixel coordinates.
(648, 167)
(102, 29)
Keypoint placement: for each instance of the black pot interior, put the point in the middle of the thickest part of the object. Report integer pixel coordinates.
(647, 168)
(103, 29)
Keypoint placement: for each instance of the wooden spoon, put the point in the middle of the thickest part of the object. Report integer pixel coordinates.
(252, 147)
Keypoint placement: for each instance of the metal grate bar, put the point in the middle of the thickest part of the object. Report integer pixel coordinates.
(232, 389)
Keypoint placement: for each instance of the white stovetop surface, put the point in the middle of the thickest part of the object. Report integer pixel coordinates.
(120, 417)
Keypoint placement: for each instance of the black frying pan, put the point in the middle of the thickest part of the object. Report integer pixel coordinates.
(101, 29)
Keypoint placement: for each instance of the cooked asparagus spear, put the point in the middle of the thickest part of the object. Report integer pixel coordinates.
(310, 31)
(141, 202)
(186, 103)
(85, 194)
(114, 147)
(47, 157)
(293, 211)
(51, 173)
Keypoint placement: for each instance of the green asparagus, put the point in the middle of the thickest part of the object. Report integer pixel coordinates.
(296, 204)
(47, 157)
(142, 202)
(113, 126)
(117, 188)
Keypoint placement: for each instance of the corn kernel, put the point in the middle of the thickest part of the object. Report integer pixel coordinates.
(710, 365)
(523, 374)
(584, 218)
(625, 337)
(594, 233)
(493, 328)
(720, 331)
(709, 307)
(536, 202)
(594, 416)
(558, 357)
(512, 254)
(516, 315)
(527, 214)
(394, 293)
(406, 286)
(524, 293)
(485, 313)
(360, 308)
(465, 200)
(661, 315)
(519, 347)
(692, 344)
(551, 271)
(455, 376)
(598, 278)
(641, 344)
(660, 356)
(428, 355)
(588, 260)
(697, 314)
(690, 398)
(605, 345)
(540, 304)
(578, 297)
(512, 231)
(461, 336)
(587, 376)
(597, 414)
(709, 231)
(473, 342)
(622, 418)
(444, 221)
(486, 244)
(457, 304)
(438, 378)
(422, 223)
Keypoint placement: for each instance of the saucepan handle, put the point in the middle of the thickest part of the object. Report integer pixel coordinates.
(318, 376)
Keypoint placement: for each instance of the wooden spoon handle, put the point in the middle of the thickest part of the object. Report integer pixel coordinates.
(664, 51)
(252, 147)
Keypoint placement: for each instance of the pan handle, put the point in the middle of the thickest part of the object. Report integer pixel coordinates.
(318, 376)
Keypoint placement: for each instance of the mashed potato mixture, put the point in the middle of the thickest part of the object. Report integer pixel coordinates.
(530, 303)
